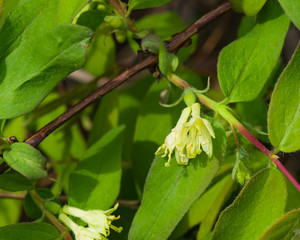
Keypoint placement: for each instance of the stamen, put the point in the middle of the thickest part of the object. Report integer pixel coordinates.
(190, 145)
(181, 154)
(166, 152)
(117, 229)
(204, 143)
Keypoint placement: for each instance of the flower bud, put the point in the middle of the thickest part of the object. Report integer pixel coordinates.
(189, 97)
(115, 22)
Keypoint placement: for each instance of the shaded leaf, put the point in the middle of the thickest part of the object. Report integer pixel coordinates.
(242, 67)
(153, 124)
(205, 209)
(13, 181)
(106, 116)
(284, 110)
(95, 182)
(286, 227)
(141, 4)
(31, 209)
(166, 25)
(29, 231)
(10, 211)
(261, 202)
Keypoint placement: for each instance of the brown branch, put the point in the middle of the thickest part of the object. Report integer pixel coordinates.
(172, 45)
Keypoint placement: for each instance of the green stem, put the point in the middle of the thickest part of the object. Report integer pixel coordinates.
(40, 203)
(223, 111)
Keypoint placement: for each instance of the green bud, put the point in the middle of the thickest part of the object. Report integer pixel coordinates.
(120, 36)
(115, 22)
(189, 97)
(52, 207)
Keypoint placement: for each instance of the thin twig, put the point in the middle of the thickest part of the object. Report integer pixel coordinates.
(133, 204)
(12, 195)
(176, 42)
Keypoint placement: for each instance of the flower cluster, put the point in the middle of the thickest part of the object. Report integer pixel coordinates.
(98, 221)
(191, 135)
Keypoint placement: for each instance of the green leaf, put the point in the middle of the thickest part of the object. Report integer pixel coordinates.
(284, 110)
(141, 4)
(2, 123)
(92, 19)
(205, 209)
(151, 43)
(249, 7)
(15, 127)
(168, 62)
(10, 211)
(95, 182)
(130, 100)
(168, 194)
(260, 203)
(170, 191)
(26, 160)
(292, 9)
(13, 181)
(245, 65)
(293, 196)
(68, 9)
(31, 209)
(101, 54)
(166, 25)
(154, 122)
(37, 55)
(286, 227)
(2, 4)
(29, 231)
(106, 117)
(246, 25)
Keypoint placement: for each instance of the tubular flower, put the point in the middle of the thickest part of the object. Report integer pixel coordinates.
(191, 135)
(99, 222)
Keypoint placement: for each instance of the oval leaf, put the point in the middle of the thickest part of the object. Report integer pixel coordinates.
(260, 203)
(26, 160)
(95, 182)
(14, 181)
(245, 65)
(285, 228)
(168, 194)
(170, 191)
(29, 231)
(284, 111)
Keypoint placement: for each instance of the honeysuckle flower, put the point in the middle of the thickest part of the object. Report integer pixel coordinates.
(80, 232)
(191, 135)
(99, 222)
(175, 136)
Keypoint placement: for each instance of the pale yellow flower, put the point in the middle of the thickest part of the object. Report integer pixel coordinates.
(99, 222)
(191, 135)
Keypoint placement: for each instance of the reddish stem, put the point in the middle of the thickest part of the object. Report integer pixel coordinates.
(266, 151)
